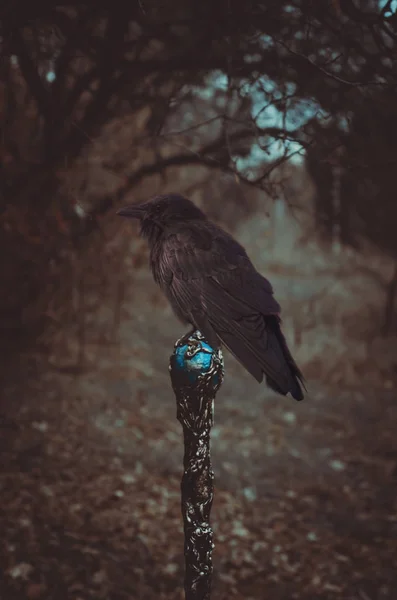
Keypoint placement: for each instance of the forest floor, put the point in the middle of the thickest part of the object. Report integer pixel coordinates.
(305, 501)
(305, 493)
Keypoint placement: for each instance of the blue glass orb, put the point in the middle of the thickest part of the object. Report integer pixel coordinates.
(195, 365)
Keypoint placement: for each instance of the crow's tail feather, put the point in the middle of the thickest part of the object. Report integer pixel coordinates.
(296, 377)
(275, 362)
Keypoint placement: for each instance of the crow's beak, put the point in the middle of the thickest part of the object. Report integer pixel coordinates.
(134, 211)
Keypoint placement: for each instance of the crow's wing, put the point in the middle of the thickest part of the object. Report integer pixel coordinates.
(211, 282)
(208, 255)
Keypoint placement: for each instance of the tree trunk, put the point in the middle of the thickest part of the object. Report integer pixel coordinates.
(391, 291)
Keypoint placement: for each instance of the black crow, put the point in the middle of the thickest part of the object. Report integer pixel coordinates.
(212, 284)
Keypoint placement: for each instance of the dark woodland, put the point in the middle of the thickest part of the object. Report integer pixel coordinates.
(279, 120)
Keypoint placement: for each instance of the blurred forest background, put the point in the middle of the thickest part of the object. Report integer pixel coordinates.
(280, 120)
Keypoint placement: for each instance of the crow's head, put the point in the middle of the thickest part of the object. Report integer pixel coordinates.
(162, 211)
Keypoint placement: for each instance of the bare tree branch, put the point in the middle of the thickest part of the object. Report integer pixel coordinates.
(30, 74)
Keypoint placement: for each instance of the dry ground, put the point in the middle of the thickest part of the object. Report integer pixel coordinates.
(306, 493)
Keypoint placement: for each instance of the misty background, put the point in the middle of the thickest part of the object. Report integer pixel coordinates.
(279, 119)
